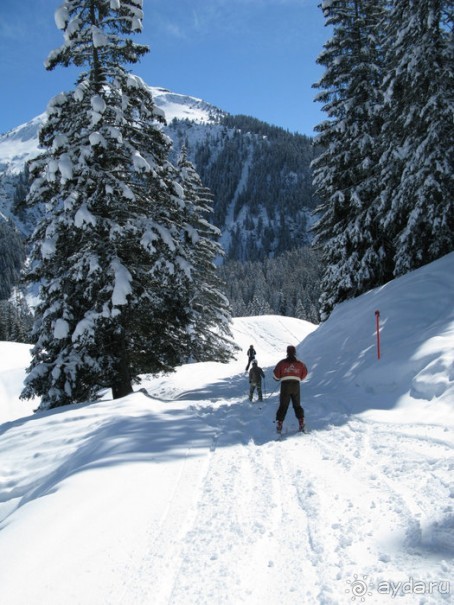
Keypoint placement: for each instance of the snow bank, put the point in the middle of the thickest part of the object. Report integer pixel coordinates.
(416, 368)
(14, 358)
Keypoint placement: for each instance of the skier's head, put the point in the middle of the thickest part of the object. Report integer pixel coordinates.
(254, 363)
(291, 351)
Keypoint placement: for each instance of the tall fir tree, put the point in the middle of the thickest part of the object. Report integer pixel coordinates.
(354, 248)
(209, 315)
(12, 257)
(15, 318)
(113, 268)
(418, 134)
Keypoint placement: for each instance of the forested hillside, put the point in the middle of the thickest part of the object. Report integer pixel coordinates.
(261, 180)
(12, 257)
(286, 285)
(15, 318)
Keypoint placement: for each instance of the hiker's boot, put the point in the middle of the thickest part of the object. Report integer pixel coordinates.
(279, 426)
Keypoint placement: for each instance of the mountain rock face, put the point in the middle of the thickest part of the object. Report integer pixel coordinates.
(259, 174)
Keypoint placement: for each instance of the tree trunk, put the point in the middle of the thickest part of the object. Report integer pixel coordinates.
(122, 384)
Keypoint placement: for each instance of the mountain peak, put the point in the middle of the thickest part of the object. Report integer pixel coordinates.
(185, 107)
(21, 144)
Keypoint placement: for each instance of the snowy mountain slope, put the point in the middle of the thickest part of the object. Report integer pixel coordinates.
(257, 173)
(181, 494)
(416, 342)
(184, 107)
(21, 144)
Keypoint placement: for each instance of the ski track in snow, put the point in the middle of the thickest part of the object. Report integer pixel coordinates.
(259, 520)
(249, 518)
(296, 521)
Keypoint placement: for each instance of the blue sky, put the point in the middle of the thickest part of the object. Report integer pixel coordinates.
(255, 57)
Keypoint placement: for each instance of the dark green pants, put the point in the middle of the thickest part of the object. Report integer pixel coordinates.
(290, 391)
(252, 388)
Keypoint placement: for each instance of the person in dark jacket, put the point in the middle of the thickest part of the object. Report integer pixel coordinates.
(250, 356)
(255, 380)
(290, 372)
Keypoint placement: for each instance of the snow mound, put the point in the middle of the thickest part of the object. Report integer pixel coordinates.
(416, 365)
(14, 358)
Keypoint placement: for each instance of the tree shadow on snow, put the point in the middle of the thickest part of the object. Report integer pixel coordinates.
(216, 416)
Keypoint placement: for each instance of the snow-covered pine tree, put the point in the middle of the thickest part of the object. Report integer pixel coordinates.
(417, 162)
(280, 283)
(108, 254)
(354, 249)
(209, 329)
(15, 318)
(258, 306)
(12, 257)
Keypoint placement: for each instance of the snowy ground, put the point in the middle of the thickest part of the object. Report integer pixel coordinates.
(182, 495)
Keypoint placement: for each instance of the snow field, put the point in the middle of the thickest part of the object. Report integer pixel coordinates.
(181, 494)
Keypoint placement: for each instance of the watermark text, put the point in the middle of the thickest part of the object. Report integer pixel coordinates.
(361, 587)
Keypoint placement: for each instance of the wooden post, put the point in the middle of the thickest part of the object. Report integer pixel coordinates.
(377, 328)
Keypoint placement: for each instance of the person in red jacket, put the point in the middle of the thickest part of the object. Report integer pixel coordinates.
(290, 372)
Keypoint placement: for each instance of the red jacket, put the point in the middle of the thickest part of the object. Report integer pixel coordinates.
(290, 369)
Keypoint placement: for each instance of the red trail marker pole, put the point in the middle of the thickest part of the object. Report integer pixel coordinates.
(377, 329)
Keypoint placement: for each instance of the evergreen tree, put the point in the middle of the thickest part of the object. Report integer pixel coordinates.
(210, 336)
(258, 306)
(12, 257)
(113, 269)
(3, 320)
(20, 194)
(417, 162)
(345, 173)
(286, 285)
(15, 318)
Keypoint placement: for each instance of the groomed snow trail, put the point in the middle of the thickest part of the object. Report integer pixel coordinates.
(314, 518)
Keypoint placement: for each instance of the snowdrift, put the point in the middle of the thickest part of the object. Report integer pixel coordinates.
(415, 372)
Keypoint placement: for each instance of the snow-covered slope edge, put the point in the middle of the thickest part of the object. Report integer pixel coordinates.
(416, 366)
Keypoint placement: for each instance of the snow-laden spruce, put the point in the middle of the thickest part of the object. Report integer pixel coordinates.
(384, 176)
(417, 165)
(210, 310)
(110, 254)
(345, 173)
